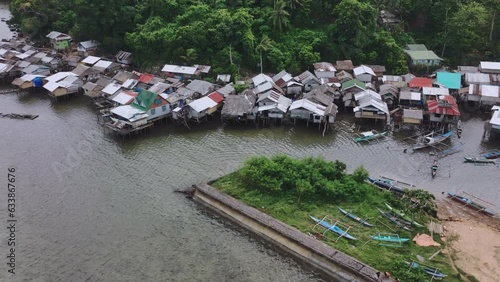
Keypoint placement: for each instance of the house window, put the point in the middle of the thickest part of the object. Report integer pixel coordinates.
(158, 101)
(164, 108)
(153, 111)
(437, 115)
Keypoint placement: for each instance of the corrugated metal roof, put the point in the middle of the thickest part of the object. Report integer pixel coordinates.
(111, 88)
(361, 95)
(408, 95)
(202, 104)
(495, 118)
(418, 82)
(146, 78)
(202, 68)
(416, 47)
(391, 78)
(179, 69)
(51, 86)
(435, 91)
(103, 64)
(216, 97)
(353, 83)
(159, 87)
(493, 67)
(445, 105)
(59, 76)
(130, 83)
(324, 67)
(363, 70)
(127, 111)
(308, 105)
(370, 101)
(344, 65)
(416, 114)
(91, 60)
(224, 77)
(226, 90)
(490, 91)
(89, 44)
(422, 55)
(306, 77)
(201, 86)
(477, 78)
(58, 35)
(238, 105)
(260, 79)
(123, 98)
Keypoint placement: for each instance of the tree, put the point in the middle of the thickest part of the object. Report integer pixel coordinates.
(279, 16)
(191, 56)
(360, 174)
(264, 44)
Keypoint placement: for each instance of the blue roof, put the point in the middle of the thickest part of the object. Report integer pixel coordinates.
(450, 80)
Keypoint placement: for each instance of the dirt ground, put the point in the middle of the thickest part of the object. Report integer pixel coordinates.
(474, 240)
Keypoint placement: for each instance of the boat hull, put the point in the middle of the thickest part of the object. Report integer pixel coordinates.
(387, 238)
(469, 203)
(354, 217)
(333, 228)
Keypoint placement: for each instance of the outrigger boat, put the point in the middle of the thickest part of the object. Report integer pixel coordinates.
(394, 219)
(389, 238)
(429, 270)
(431, 139)
(387, 184)
(471, 204)
(333, 228)
(403, 216)
(356, 218)
(493, 154)
(369, 135)
(478, 160)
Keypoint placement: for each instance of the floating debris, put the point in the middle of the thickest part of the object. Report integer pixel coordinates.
(19, 116)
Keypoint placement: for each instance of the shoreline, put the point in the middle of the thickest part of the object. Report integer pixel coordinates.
(331, 262)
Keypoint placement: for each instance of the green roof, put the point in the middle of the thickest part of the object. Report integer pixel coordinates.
(449, 80)
(416, 47)
(422, 55)
(144, 100)
(353, 82)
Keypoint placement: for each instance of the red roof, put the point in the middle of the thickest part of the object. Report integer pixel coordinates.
(146, 78)
(444, 106)
(418, 82)
(216, 97)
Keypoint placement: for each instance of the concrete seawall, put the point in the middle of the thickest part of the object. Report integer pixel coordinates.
(331, 262)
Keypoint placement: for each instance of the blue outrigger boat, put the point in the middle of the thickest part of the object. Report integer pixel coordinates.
(333, 228)
(387, 184)
(471, 204)
(394, 219)
(429, 270)
(389, 238)
(369, 135)
(356, 218)
(493, 154)
(431, 139)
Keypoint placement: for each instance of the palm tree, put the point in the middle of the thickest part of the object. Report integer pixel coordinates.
(280, 15)
(264, 44)
(191, 55)
(294, 4)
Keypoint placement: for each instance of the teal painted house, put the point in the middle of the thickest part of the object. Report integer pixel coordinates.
(419, 55)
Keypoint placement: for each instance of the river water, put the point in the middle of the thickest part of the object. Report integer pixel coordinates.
(91, 207)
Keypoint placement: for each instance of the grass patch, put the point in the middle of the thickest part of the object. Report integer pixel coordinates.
(293, 203)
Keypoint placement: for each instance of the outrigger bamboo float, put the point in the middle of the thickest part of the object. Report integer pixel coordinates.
(334, 228)
(434, 272)
(394, 219)
(403, 216)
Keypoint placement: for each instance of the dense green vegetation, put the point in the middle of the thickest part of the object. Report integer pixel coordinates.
(292, 189)
(289, 34)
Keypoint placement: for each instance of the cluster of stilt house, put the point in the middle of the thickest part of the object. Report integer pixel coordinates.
(130, 101)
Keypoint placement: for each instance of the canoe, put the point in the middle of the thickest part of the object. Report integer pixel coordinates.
(369, 135)
(394, 220)
(471, 204)
(493, 154)
(478, 160)
(432, 139)
(333, 228)
(387, 184)
(389, 238)
(434, 272)
(352, 216)
(403, 216)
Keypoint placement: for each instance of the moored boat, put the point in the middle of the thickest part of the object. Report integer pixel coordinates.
(478, 160)
(389, 238)
(387, 184)
(333, 228)
(431, 139)
(369, 135)
(403, 216)
(394, 219)
(356, 218)
(493, 154)
(471, 204)
(434, 272)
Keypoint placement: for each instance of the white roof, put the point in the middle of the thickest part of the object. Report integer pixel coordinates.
(56, 34)
(51, 86)
(360, 95)
(202, 104)
(130, 83)
(30, 77)
(91, 60)
(179, 69)
(47, 59)
(495, 118)
(111, 88)
(368, 101)
(392, 78)
(23, 56)
(490, 91)
(127, 111)
(260, 78)
(363, 69)
(103, 64)
(59, 76)
(3, 51)
(407, 95)
(308, 105)
(435, 91)
(489, 66)
(89, 44)
(123, 98)
(477, 78)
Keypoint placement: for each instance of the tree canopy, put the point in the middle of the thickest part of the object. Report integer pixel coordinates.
(300, 32)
